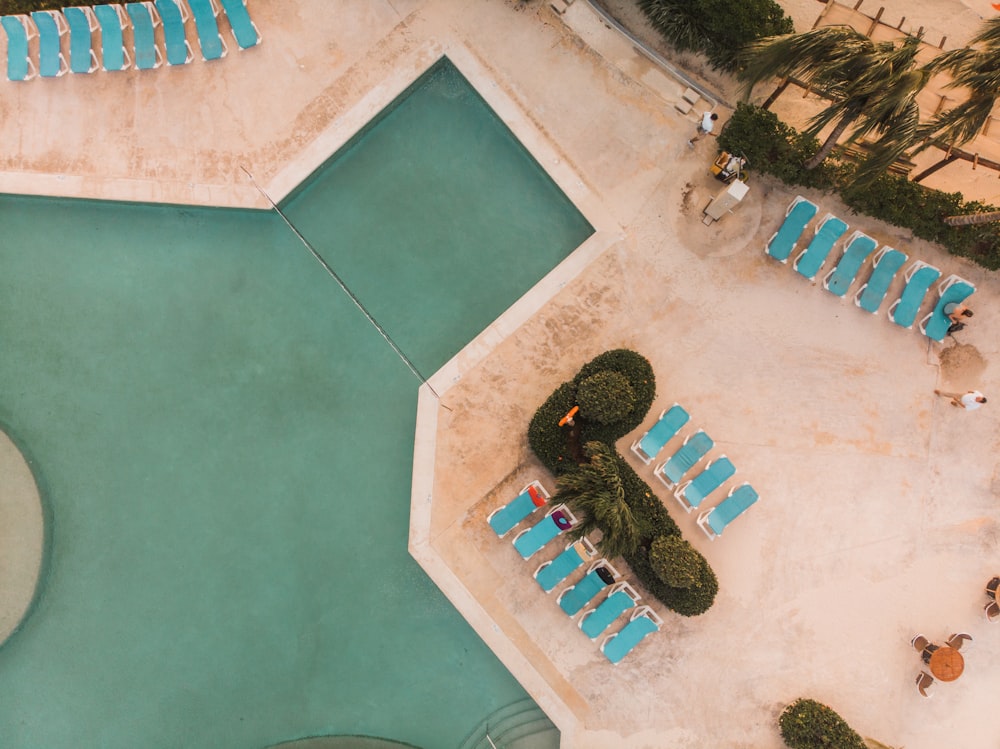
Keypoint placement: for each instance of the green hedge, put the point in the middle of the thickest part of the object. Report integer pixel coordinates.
(775, 148)
(717, 28)
(548, 441)
(808, 724)
(11, 7)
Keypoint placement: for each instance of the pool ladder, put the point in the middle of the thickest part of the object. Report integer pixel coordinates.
(510, 728)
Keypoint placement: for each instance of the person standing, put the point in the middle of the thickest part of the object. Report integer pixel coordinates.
(705, 127)
(970, 401)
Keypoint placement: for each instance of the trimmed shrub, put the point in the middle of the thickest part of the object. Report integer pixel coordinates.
(675, 561)
(808, 724)
(605, 397)
(772, 147)
(718, 28)
(548, 441)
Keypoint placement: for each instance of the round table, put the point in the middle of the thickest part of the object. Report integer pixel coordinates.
(947, 663)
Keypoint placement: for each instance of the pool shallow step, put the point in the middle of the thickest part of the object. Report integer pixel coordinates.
(519, 725)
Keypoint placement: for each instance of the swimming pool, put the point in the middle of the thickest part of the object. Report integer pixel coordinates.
(225, 444)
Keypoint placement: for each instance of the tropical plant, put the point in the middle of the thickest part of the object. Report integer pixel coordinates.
(718, 28)
(977, 70)
(605, 397)
(808, 724)
(872, 88)
(675, 561)
(594, 490)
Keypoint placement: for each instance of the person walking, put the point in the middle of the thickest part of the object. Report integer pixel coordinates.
(970, 401)
(705, 127)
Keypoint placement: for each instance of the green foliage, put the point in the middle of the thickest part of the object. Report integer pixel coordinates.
(775, 148)
(605, 397)
(10, 7)
(675, 561)
(548, 442)
(595, 491)
(807, 724)
(718, 28)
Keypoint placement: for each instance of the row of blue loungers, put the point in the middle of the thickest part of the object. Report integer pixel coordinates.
(599, 577)
(857, 248)
(693, 492)
(143, 18)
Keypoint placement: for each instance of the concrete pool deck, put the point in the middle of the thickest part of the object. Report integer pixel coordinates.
(878, 510)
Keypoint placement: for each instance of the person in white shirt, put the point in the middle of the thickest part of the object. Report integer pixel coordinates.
(705, 127)
(970, 401)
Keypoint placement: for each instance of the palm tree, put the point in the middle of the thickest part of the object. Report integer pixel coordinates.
(595, 490)
(978, 71)
(872, 87)
(973, 219)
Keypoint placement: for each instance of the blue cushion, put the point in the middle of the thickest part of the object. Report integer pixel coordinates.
(631, 635)
(781, 246)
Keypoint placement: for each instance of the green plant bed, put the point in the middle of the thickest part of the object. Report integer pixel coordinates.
(548, 441)
(808, 724)
(775, 148)
(12, 7)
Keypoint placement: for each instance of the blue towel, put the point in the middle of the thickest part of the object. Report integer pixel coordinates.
(143, 36)
(80, 50)
(731, 508)
(559, 568)
(783, 242)
(856, 253)
(708, 481)
(573, 599)
(689, 454)
(938, 324)
(610, 609)
(208, 30)
(631, 635)
(541, 533)
(663, 431)
(884, 271)
(513, 513)
(173, 32)
(913, 295)
(17, 48)
(112, 42)
(812, 259)
(49, 55)
(244, 31)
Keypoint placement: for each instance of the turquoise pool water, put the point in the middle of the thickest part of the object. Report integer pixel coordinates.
(225, 444)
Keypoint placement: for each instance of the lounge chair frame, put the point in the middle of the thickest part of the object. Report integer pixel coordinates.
(87, 15)
(619, 587)
(875, 274)
(679, 492)
(637, 445)
(588, 547)
(645, 611)
(943, 287)
(534, 484)
(659, 470)
(704, 516)
(850, 259)
(615, 574)
(122, 16)
(791, 206)
(825, 253)
(58, 59)
(30, 32)
(915, 266)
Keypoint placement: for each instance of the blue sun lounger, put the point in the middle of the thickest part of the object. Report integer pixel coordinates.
(670, 422)
(621, 598)
(694, 449)
(82, 25)
(209, 38)
(692, 493)
(245, 31)
(811, 259)
(714, 521)
(644, 621)
(550, 574)
(886, 263)
(51, 26)
(856, 251)
(112, 19)
(531, 540)
(600, 575)
(919, 278)
(174, 39)
(782, 243)
(145, 19)
(503, 519)
(20, 31)
(953, 290)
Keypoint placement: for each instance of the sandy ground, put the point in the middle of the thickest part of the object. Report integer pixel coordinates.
(877, 516)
